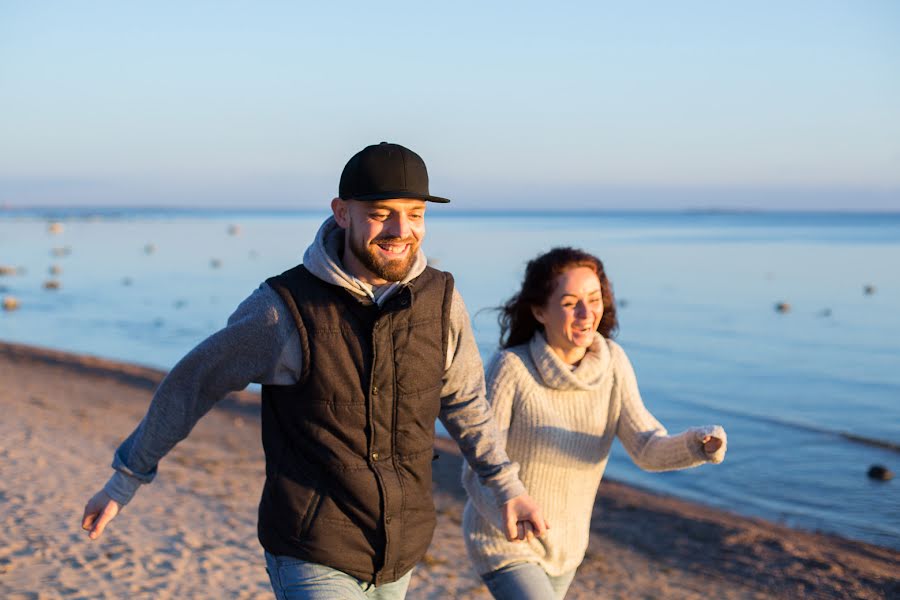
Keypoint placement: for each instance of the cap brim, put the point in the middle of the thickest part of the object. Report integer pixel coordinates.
(398, 196)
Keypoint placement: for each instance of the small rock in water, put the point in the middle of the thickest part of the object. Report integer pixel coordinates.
(215, 263)
(10, 303)
(180, 303)
(868, 290)
(234, 230)
(55, 270)
(881, 473)
(51, 284)
(149, 249)
(126, 281)
(783, 307)
(826, 312)
(55, 228)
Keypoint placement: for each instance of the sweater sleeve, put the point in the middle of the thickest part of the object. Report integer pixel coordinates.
(257, 345)
(466, 414)
(646, 440)
(502, 395)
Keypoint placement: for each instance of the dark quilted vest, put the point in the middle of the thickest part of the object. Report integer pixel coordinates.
(349, 447)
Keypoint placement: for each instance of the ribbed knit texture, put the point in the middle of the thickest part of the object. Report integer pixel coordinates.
(559, 424)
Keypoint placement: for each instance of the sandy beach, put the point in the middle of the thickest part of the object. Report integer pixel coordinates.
(192, 533)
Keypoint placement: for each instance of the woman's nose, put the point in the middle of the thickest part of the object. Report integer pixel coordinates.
(581, 310)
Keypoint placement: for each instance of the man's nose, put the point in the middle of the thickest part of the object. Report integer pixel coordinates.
(399, 227)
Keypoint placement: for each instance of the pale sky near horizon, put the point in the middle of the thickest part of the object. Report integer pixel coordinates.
(759, 105)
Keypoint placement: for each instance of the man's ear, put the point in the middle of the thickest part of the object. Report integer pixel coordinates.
(538, 313)
(341, 210)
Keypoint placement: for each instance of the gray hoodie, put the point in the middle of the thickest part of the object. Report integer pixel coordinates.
(260, 344)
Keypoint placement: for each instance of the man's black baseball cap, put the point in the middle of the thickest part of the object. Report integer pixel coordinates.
(384, 171)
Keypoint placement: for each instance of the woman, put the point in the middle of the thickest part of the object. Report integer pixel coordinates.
(561, 390)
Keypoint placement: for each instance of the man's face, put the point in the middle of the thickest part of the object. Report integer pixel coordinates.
(382, 237)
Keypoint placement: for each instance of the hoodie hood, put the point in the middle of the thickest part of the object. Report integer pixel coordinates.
(323, 259)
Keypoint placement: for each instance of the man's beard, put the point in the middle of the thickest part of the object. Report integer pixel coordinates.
(387, 269)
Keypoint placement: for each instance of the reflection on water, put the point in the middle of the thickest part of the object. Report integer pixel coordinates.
(698, 321)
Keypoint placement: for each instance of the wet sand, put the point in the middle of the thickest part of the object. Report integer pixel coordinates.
(192, 533)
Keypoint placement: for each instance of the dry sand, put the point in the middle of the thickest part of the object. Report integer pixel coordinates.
(191, 534)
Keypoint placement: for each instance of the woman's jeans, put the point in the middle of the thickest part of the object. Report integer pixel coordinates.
(527, 581)
(295, 579)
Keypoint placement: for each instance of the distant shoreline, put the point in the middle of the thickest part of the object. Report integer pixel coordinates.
(112, 212)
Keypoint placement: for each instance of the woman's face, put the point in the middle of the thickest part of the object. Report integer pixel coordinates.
(572, 313)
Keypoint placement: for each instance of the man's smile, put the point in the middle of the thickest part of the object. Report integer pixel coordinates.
(392, 248)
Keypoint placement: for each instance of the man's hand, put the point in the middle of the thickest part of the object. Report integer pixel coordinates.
(98, 512)
(711, 444)
(522, 519)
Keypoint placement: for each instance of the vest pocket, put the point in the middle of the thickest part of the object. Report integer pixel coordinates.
(307, 519)
(295, 504)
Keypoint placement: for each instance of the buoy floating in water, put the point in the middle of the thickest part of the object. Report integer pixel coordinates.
(869, 289)
(880, 472)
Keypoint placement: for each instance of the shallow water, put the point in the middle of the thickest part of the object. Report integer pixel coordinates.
(698, 322)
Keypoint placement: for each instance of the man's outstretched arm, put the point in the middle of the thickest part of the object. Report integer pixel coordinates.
(249, 349)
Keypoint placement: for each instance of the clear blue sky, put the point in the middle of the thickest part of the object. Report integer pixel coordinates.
(584, 105)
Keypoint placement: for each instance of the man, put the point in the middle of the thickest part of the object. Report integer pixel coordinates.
(358, 350)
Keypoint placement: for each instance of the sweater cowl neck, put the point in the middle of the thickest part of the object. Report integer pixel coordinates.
(590, 374)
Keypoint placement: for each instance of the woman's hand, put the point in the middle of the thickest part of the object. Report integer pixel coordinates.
(711, 444)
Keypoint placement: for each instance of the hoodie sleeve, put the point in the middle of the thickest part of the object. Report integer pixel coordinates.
(466, 414)
(258, 345)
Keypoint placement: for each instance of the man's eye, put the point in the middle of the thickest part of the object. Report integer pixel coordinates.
(378, 216)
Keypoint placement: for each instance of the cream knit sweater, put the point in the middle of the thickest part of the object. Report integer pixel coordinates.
(558, 424)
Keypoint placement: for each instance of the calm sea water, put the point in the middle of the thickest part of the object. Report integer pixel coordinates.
(810, 398)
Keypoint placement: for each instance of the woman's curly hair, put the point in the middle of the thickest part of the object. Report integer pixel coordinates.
(517, 322)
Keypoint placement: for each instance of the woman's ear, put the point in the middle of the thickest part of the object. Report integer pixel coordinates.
(538, 313)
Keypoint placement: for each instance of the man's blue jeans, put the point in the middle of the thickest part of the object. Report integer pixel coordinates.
(295, 579)
(527, 581)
